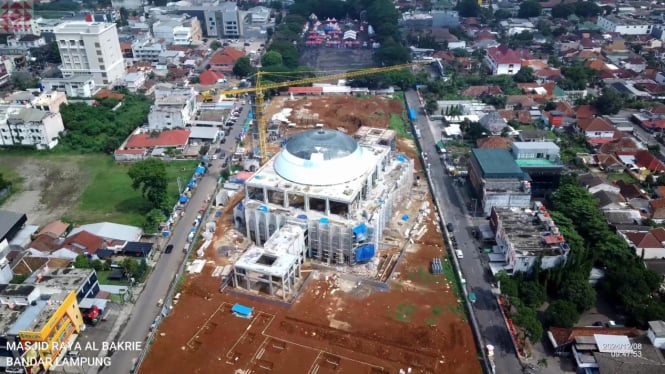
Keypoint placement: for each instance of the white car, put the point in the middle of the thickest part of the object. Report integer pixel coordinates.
(459, 253)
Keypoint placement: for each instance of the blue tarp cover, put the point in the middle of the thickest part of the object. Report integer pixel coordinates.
(365, 252)
(301, 216)
(405, 217)
(242, 310)
(263, 208)
(360, 229)
(200, 170)
(401, 158)
(183, 199)
(324, 221)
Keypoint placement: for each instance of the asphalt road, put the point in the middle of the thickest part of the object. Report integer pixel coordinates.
(491, 324)
(157, 286)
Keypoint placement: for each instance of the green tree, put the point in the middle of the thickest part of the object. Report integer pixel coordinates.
(526, 319)
(194, 80)
(141, 270)
(468, 8)
(529, 9)
(215, 45)
(82, 262)
(288, 51)
(587, 9)
(271, 58)
(524, 75)
(431, 105)
(532, 294)
(563, 10)
(23, 80)
(131, 267)
(579, 292)
(609, 102)
(562, 313)
(150, 176)
(243, 67)
(4, 183)
(97, 265)
(152, 221)
(508, 285)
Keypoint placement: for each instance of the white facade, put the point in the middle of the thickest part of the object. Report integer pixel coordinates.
(498, 67)
(91, 48)
(147, 50)
(624, 25)
(231, 19)
(26, 41)
(75, 86)
(135, 81)
(171, 111)
(163, 30)
(182, 35)
(128, 4)
(30, 127)
(656, 334)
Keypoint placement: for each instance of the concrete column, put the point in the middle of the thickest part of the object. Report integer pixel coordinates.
(327, 207)
(306, 202)
(285, 204)
(265, 195)
(270, 285)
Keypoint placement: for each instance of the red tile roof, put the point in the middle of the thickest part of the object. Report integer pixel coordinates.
(168, 138)
(105, 93)
(209, 77)
(504, 55)
(659, 234)
(226, 56)
(645, 159)
(657, 203)
(585, 111)
(643, 240)
(597, 124)
(84, 242)
(55, 228)
(624, 144)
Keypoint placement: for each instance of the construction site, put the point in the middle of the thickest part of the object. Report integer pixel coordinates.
(329, 244)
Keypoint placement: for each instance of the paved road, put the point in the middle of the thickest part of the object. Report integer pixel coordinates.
(491, 324)
(157, 286)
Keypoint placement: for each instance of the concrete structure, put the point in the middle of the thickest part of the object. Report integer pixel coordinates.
(217, 19)
(541, 160)
(110, 231)
(26, 41)
(625, 25)
(276, 266)
(128, 4)
(135, 81)
(172, 109)
(31, 127)
(525, 238)
(74, 86)
(147, 50)
(91, 48)
(497, 180)
(341, 191)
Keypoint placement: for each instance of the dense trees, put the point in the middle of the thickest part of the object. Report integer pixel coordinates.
(608, 102)
(524, 75)
(91, 129)
(627, 283)
(562, 313)
(582, 9)
(529, 8)
(150, 177)
(468, 8)
(243, 67)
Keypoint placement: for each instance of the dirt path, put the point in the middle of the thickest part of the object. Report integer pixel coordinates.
(48, 188)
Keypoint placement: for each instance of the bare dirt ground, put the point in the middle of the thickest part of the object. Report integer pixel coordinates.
(336, 325)
(48, 187)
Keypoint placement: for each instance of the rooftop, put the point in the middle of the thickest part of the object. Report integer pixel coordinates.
(497, 163)
(36, 316)
(9, 316)
(169, 138)
(13, 290)
(372, 135)
(266, 262)
(59, 279)
(537, 162)
(283, 239)
(81, 27)
(531, 233)
(8, 220)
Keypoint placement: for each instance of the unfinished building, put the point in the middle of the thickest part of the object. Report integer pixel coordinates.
(340, 191)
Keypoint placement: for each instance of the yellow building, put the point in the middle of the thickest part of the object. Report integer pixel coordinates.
(45, 337)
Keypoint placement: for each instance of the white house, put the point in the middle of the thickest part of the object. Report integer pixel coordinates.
(31, 127)
(597, 130)
(74, 86)
(656, 334)
(135, 81)
(625, 25)
(502, 60)
(173, 108)
(646, 244)
(111, 231)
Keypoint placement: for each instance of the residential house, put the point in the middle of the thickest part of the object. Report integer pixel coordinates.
(111, 231)
(609, 200)
(625, 216)
(135, 81)
(657, 209)
(516, 102)
(594, 183)
(532, 135)
(597, 130)
(209, 78)
(74, 86)
(647, 160)
(563, 339)
(608, 162)
(625, 25)
(646, 245)
(622, 145)
(80, 243)
(585, 111)
(139, 144)
(542, 162)
(493, 122)
(56, 229)
(502, 60)
(481, 91)
(173, 108)
(30, 127)
(523, 117)
(224, 59)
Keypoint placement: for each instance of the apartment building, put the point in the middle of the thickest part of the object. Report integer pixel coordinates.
(30, 127)
(173, 108)
(503, 60)
(74, 86)
(90, 48)
(147, 50)
(625, 25)
(216, 19)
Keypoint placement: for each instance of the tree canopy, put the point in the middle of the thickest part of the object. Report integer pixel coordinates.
(562, 313)
(529, 9)
(524, 75)
(243, 67)
(608, 102)
(468, 8)
(582, 9)
(150, 177)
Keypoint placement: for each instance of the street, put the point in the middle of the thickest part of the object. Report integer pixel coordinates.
(490, 321)
(156, 287)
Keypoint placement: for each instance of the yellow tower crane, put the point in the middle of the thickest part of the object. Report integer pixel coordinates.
(259, 92)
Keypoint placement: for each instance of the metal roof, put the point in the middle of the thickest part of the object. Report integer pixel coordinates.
(8, 220)
(497, 163)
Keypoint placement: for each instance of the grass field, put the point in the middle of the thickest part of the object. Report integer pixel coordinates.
(120, 201)
(81, 188)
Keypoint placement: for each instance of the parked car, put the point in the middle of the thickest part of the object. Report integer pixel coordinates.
(450, 227)
(169, 248)
(459, 254)
(223, 141)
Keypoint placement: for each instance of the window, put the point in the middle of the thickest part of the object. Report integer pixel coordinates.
(81, 43)
(100, 60)
(104, 75)
(102, 67)
(97, 45)
(99, 53)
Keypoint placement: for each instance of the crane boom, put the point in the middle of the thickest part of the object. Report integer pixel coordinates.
(259, 90)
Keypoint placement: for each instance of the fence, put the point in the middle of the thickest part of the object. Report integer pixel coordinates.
(173, 288)
(442, 223)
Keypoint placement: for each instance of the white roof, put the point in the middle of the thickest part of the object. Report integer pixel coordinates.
(110, 230)
(202, 132)
(280, 266)
(613, 343)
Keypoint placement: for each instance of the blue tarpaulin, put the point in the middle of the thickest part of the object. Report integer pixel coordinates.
(200, 170)
(191, 183)
(250, 115)
(263, 208)
(193, 229)
(241, 310)
(302, 216)
(405, 217)
(324, 221)
(166, 233)
(183, 199)
(360, 232)
(401, 158)
(364, 252)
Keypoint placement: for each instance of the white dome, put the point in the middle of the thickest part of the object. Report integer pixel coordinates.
(320, 158)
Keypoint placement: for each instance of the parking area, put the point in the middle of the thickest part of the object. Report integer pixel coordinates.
(93, 336)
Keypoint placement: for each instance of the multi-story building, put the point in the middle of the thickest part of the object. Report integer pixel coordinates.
(128, 4)
(216, 19)
(91, 48)
(525, 238)
(30, 127)
(182, 35)
(26, 41)
(541, 160)
(497, 180)
(502, 60)
(162, 30)
(47, 101)
(172, 109)
(625, 25)
(74, 86)
(147, 50)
